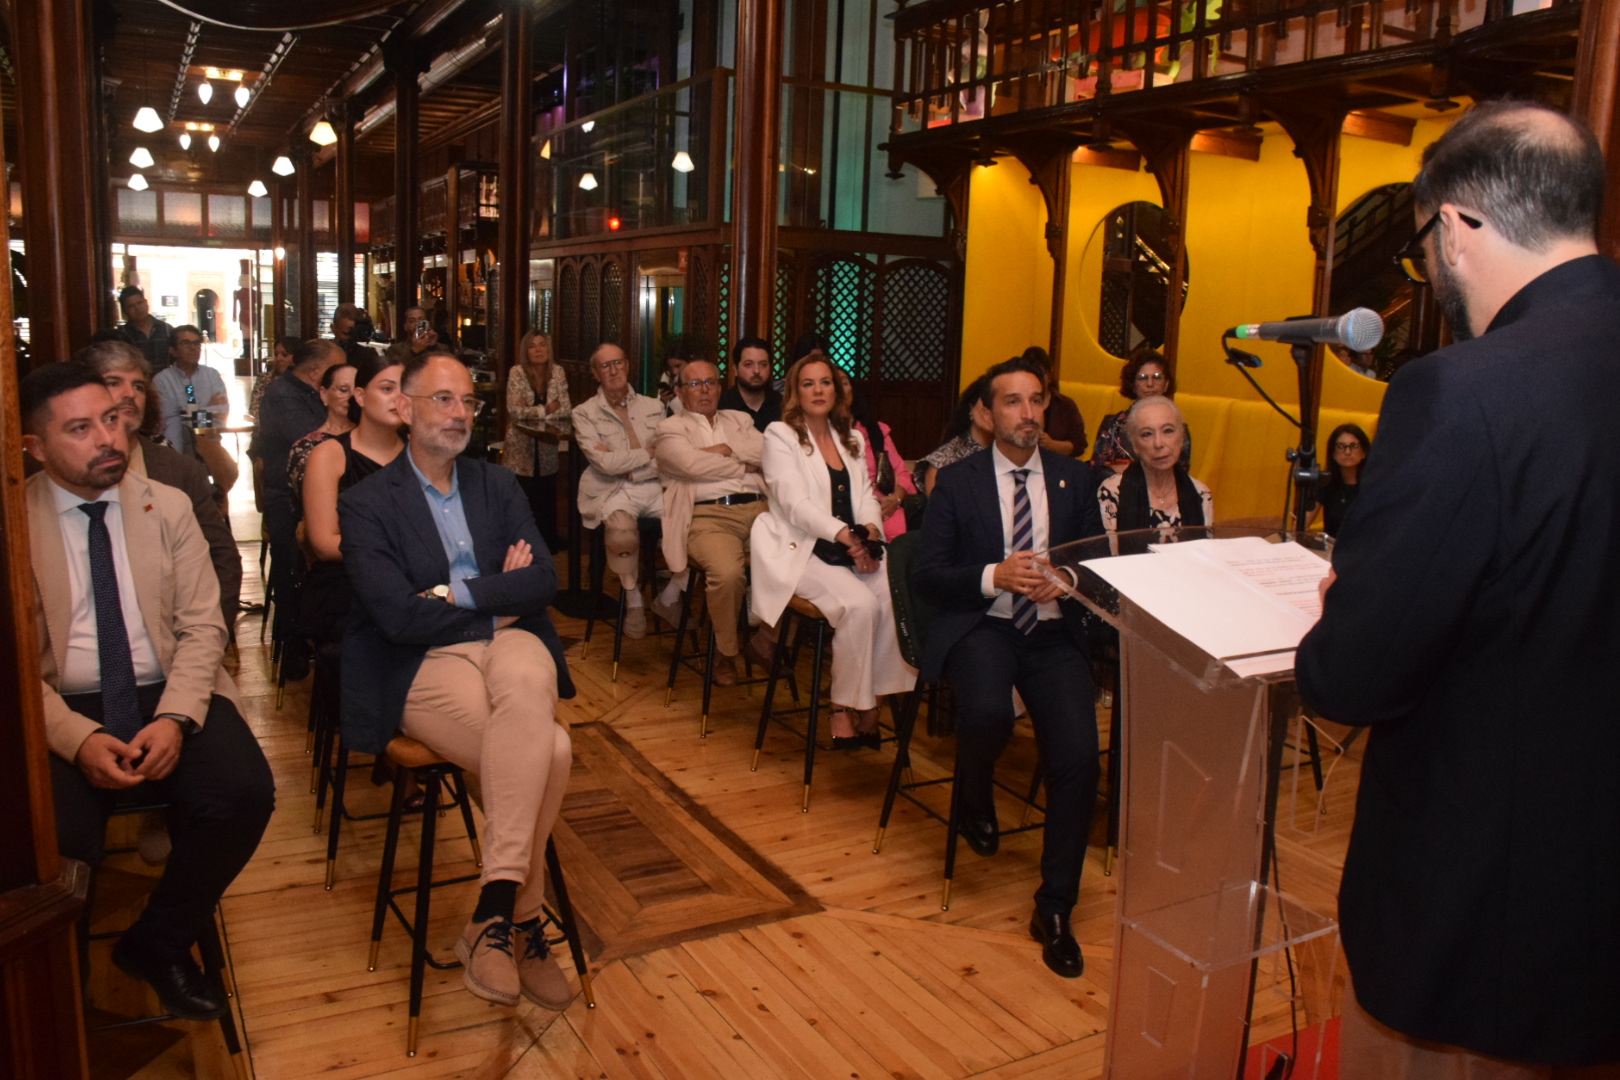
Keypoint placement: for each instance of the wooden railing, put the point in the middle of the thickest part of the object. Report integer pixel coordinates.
(958, 61)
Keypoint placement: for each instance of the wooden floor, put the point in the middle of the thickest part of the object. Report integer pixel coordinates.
(730, 935)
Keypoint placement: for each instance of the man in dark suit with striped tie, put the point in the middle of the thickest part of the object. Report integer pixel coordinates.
(1002, 626)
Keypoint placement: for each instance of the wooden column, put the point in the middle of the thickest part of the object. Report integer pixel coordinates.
(1168, 155)
(309, 315)
(278, 267)
(754, 179)
(41, 895)
(69, 281)
(343, 203)
(404, 63)
(1597, 101)
(516, 194)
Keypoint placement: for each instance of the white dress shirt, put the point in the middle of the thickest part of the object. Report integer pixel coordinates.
(1035, 485)
(81, 668)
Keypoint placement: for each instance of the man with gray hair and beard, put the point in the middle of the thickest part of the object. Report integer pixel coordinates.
(449, 644)
(1473, 625)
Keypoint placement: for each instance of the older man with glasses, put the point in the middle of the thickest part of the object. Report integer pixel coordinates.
(619, 487)
(709, 460)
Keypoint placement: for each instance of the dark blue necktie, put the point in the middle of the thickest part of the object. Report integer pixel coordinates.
(120, 708)
(1024, 610)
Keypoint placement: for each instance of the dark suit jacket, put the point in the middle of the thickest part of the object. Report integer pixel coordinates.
(392, 551)
(962, 532)
(1475, 623)
(168, 466)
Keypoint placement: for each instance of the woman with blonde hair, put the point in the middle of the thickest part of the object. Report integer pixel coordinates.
(822, 540)
(536, 397)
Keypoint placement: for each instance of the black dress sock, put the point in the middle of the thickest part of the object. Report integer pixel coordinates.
(496, 899)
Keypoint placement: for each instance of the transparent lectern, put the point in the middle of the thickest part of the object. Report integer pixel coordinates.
(1199, 929)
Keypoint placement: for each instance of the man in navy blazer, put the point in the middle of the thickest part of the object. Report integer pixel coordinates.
(1002, 620)
(449, 643)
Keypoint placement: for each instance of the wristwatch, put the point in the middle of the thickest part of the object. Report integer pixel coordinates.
(188, 726)
(440, 592)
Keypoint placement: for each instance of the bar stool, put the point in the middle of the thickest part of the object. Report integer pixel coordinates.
(433, 773)
(696, 585)
(804, 616)
(215, 959)
(652, 535)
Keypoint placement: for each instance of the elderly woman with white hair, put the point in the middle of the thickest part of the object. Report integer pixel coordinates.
(1155, 490)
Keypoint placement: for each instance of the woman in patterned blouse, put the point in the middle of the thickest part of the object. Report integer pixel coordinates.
(537, 397)
(1155, 490)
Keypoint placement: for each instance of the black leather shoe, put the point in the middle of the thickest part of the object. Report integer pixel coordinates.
(983, 835)
(846, 742)
(182, 989)
(1058, 947)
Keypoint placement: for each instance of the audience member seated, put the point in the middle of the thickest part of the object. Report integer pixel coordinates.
(133, 688)
(291, 409)
(751, 391)
(280, 363)
(1348, 448)
(335, 466)
(1155, 489)
(709, 461)
(537, 396)
(619, 486)
(668, 379)
(191, 395)
(968, 433)
(891, 480)
(122, 369)
(449, 644)
(337, 393)
(146, 331)
(1145, 374)
(1065, 430)
(1003, 625)
(821, 540)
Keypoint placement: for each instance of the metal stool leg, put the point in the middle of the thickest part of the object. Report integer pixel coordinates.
(565, 921)
(815, 711)
(951, 829)
(339, 783)
(777, 663)
(902, 761)
(424, 897)
(385, 876)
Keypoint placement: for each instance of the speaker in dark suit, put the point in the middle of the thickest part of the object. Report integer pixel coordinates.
(1002, 626)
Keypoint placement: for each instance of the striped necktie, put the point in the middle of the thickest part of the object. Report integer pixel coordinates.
(1024, 612)
(120, 707)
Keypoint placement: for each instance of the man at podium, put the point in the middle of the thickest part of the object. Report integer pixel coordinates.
(1475, 626)
(1002, 625)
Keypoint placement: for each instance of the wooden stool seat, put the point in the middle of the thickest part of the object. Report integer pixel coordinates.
(808, 617)
(405, 751)
(801, 606)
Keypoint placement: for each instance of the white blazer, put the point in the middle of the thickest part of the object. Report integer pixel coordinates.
(800, 513)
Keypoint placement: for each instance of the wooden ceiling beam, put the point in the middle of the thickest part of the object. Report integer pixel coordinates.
(1380, 126)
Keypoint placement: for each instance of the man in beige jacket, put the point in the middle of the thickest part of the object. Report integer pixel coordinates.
(133, 691)
(708, 459)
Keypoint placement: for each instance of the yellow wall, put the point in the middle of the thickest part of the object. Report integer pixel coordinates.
(1008, 277)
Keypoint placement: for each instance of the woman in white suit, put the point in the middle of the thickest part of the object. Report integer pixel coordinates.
(811, 543)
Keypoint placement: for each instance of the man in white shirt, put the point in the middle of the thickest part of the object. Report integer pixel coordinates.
(619, 487)
(132, 685)
(708, 459)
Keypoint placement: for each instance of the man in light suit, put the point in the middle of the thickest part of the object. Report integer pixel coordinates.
(708, 459)
(133, 689)
(619, 487)
(1001, 625)
(1473, 627)
(449, 643)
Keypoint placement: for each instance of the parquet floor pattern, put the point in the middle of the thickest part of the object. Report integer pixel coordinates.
(729, 934)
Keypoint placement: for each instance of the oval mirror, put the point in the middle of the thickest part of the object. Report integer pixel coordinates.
(1368, 236)
(1125, 279)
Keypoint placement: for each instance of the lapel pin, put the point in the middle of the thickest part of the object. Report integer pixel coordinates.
(148, 508)
(1063, 483)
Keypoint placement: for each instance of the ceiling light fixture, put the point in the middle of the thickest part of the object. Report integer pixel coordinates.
(243, 96)
(213, 143)
(682, 162)
(205, 91)
(587, 182)
(147, 120)
(283, 166)
(185, 140)
(257, 189)
(141, 158)
(322, 134)
(137, 183)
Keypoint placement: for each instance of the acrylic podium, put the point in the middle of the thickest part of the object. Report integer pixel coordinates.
(1198, 927)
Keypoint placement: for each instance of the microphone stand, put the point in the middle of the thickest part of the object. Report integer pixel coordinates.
(1303, 472)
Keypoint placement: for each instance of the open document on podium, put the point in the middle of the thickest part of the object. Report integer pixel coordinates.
(1244, 600)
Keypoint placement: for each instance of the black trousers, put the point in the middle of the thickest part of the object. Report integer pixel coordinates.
(1053, 676)
(220, 797)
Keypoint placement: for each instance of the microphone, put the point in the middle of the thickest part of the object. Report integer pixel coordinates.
(1359, 329)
